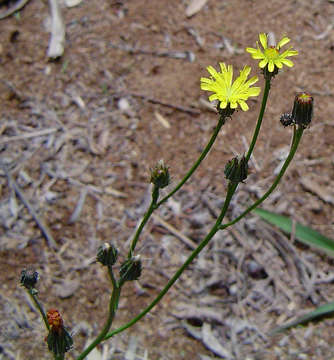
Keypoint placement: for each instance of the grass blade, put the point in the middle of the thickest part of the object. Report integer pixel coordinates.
(303, 234)
(318, 314)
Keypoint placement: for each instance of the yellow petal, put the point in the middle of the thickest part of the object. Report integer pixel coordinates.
(271, 66)
(243, 105)
(223, 104)
(279, 64)
(282, 42)
(254, 91)
(212, 71)
(263, 40)
(263, 63)
(245, 71)
(251, 50)
(213, 97)
(287, 62)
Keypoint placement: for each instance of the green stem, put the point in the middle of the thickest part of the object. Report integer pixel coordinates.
(221, 122)
(297, 135)
(259, 120)
(60, 357)
(155, 195)
(39, 307)
(113, 305)
(230, 191)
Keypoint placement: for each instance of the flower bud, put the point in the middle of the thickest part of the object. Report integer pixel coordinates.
(131, 269)
(286, 119)
(160, 175)
(107, 254)
(303, 109)
(29, 278)
(59, 340)
(236, 170)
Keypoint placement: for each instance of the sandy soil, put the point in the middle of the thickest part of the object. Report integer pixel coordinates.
(124, 95)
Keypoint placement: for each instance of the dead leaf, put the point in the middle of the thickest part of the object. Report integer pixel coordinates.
(194, 7)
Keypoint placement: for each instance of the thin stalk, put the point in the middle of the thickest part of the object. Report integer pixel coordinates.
(260, 118)
(221, 122)
(297, 135)
(155, 195)
(230, 191)
(60, 357)
(39, 307)
(113, 305)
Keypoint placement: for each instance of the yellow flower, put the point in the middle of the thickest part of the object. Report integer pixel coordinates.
(271, 55)
(226, 92)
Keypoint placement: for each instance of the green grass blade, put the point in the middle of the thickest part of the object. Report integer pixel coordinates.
(304, 234)
(318, 314)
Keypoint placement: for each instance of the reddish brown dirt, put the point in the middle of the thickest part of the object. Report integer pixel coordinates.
(110, 148)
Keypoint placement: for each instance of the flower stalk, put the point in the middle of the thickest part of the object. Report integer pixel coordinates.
(229, 94)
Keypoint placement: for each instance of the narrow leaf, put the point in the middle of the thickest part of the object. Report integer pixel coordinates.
(304, 234)
(320, 312)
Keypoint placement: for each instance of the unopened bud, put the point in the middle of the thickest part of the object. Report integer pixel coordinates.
(160, 175)
(131, 269)
(236, 170)
(29, 278)
(286, 119)
(107, 254)
(303, 109)
(59, 339)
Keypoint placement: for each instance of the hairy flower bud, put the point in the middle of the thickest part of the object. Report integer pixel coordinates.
(29, 278)
(107, 254)
(131, 269)
(302, 111)
(236, 170)
(286, 119)
(160, 175)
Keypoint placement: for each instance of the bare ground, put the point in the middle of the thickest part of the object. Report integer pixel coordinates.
(126, 66)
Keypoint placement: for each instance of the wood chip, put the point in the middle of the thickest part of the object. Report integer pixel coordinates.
(163, 121)
(57, 40)
(194, 7)
(80, 204)
(72, 3)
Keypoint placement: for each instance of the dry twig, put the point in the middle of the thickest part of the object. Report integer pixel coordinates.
(43, 227)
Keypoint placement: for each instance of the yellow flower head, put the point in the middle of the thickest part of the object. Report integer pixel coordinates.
(226, 92)
(271, 55)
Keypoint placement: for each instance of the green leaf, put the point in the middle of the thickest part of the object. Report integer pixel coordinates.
(304, 234)
(319, 313)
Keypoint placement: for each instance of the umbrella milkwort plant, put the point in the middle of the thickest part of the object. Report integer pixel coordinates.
(229, 94)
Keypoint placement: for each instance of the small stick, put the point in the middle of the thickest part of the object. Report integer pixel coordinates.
(175, 232)
(43, 132)
(43, 227)
(57, 39)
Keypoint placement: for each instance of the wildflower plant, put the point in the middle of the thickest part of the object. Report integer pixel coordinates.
(229, 94)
